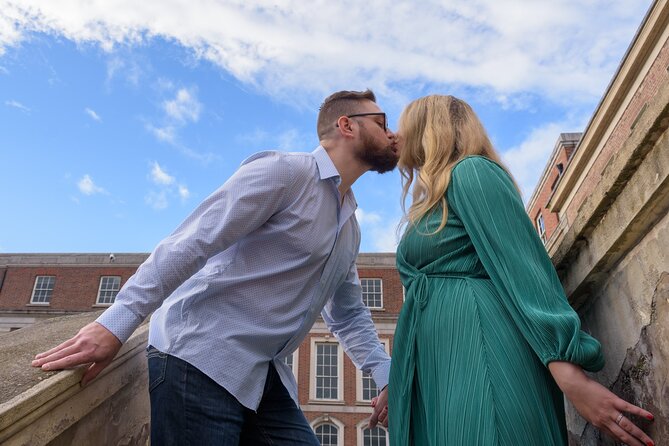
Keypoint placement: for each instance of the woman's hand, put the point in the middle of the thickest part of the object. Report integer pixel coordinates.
(599, 406)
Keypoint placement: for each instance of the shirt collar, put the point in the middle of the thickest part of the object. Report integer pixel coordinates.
(326, 167)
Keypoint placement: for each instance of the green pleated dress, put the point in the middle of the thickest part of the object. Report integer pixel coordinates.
(484, 314)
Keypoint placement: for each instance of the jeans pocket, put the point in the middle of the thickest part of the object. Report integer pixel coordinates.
(157, 363)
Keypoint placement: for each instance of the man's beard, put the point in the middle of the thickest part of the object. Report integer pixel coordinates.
(381, 160)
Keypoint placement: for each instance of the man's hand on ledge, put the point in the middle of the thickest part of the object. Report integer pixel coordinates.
(94, 345)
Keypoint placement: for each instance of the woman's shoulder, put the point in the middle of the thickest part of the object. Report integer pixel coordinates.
(476, 173)
(476, 162)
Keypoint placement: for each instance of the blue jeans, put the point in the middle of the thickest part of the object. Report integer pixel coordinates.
(189, 408)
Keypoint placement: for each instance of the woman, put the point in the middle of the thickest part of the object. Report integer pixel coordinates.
(486, 331)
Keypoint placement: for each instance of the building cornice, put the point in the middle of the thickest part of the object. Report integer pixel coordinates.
(618, 93)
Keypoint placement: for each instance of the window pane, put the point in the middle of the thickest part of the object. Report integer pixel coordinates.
(43, 289)
(109, 287)
(369, 389)
(371, 293)
(327, 434)
(327, 373)
(374, 437)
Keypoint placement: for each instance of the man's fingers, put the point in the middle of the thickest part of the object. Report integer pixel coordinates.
(68, 362)
(93, 371)
(57, 355)
(53, 350)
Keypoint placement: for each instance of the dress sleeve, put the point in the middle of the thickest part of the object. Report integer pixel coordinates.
(485, 198)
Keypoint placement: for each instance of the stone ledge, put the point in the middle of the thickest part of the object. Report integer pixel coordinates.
(574, 256)
(47, 404)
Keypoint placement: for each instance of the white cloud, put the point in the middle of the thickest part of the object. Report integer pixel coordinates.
(3, 70)
(184, 193)
(159, 176)
(167, 187)
(364, 217)
(527, 160)
(184, 107)
(566, 50)
(87, 186)
(157, 200)
(93, 114)
(165, 134)
(382, 231)
(17, 104)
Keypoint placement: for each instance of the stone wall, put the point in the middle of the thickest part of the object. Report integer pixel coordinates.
(39, 408)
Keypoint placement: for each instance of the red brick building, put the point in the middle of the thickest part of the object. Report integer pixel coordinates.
(334, 395)
(546, 221)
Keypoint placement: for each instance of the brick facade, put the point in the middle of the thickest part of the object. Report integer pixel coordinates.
(656, 77)
(557, 165)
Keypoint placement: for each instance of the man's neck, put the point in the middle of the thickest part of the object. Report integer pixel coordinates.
(349, 167)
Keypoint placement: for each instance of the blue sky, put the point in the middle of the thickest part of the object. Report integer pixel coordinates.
(117, 118)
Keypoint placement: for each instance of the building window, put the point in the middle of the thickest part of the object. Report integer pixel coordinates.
(43, 290)
(372, 293)
(109, 286)
(327, 371)
(292, 361)
(328, 430)
(374, 437)
(369, 389)
(327, 434)
(541, 227)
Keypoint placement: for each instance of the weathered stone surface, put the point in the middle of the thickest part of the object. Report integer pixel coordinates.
(643, 377)
(18, 348)
(53, 408)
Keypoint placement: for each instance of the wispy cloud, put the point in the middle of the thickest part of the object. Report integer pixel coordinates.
(565, 50)
(165, 134)
(157, 200)
(168, 186)
(184, 107)
(3, 70)
(184, 193)
(93, 114)
(159, 176)
(527, 160)
(87, 186)
(381, 231)
(18, 105)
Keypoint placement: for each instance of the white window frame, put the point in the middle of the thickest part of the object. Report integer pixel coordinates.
(296, 361)
(361, 426)
(328, 419)
(380, 290)
(340, 370)
(102, 278)
(358, 377)
(541, 227)
(35, 289)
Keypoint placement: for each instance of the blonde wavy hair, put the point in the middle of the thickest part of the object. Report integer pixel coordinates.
(436, 132)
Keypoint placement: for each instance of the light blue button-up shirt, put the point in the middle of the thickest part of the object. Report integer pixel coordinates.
(242, 280)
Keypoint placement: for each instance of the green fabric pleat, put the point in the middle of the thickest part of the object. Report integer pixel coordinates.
(484, 314)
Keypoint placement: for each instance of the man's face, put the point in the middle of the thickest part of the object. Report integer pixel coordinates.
(378, 146)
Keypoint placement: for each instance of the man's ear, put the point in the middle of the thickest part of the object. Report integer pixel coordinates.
(344, 126)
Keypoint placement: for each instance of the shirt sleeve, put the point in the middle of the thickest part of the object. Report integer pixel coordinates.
(485, 198)
(259, 189)
(349, 319)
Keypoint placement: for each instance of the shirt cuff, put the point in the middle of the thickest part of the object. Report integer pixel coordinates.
(381, 374)
(120, 321)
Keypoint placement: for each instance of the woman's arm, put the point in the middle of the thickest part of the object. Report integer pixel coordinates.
(598, 405)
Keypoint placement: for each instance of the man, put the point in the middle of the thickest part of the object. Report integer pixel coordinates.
(238, 285)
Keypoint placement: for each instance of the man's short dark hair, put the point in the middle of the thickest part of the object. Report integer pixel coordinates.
(338, 104)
